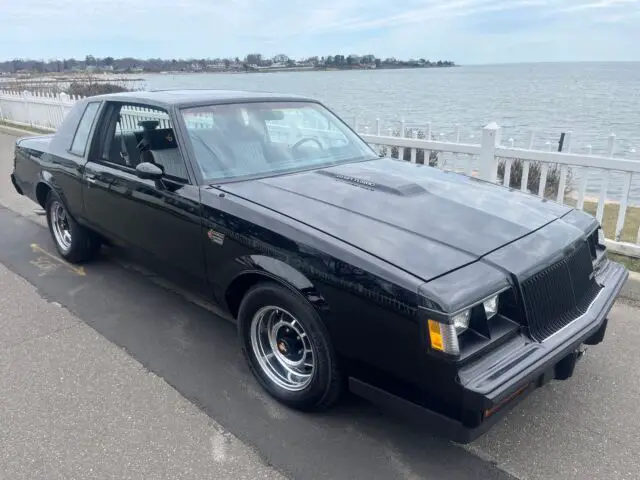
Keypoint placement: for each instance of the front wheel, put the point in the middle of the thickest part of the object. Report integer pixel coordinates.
(73, 241)
(288, 348)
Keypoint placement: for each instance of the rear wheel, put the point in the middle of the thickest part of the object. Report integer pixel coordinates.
(288, 348)
(74, 242)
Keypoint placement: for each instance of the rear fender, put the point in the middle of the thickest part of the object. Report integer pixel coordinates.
(47, 182)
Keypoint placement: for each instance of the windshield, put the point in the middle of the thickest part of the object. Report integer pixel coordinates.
(244, 140)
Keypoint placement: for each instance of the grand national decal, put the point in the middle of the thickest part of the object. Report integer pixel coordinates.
(215, 237)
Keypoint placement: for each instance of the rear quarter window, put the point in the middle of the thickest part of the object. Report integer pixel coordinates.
(81, 137)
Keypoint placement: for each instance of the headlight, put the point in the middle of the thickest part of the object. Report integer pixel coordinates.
(444, 329)
(461, 321)
(491, 306)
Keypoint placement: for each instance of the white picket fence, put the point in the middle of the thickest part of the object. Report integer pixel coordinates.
(477, 159)
(35, 110)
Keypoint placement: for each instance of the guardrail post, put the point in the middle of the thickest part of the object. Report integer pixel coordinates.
(63, 98)
(488, 162)
(403, 127)
(605, 179)
(27, 110)
(562, 185)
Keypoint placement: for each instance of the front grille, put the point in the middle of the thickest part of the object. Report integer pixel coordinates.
(559, 294)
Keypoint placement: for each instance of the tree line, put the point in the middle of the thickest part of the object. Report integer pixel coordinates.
(250, 61)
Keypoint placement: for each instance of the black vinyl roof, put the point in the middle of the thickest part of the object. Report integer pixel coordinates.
(189, 98)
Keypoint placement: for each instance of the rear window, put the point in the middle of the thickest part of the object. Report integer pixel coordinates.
(80, 139)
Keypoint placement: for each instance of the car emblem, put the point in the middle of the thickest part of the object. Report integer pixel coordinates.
(215, 237)
(169, 138)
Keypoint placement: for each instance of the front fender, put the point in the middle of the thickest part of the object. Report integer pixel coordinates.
(281, 271)
(259, 267)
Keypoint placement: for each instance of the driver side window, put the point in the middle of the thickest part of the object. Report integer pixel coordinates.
(137, 126)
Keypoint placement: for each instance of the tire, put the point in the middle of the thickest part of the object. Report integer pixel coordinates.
(323, 386)
(81, 244)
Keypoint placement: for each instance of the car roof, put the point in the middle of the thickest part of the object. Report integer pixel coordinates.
(195, 97)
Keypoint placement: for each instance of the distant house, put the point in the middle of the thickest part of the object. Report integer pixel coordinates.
(214, 67)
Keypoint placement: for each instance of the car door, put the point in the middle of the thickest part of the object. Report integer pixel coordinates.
(158, 218)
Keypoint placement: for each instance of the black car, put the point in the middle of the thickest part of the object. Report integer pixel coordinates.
(443, 296)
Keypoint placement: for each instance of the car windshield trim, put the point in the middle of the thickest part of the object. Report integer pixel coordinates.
(266, 135)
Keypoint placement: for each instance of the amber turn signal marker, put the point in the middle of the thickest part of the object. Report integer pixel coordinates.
(490, 411)
(435, 336)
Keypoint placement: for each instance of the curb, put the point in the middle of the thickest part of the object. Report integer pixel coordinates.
(16, 131)
(630, 290)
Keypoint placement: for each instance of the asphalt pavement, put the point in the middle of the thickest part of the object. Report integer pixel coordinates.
(75, 406)
(112, 368)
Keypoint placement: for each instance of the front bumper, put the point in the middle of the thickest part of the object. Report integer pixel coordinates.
(15, 184)
(495, 383)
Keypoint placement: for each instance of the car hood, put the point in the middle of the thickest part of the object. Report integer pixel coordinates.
(421, 219)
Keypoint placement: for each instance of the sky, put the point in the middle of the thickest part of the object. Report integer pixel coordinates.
(465, 31)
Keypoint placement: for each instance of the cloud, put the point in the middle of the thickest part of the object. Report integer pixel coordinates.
(467, 31)
(601, 4)
(440, 11)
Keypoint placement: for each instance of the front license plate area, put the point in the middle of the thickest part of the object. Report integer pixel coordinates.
(565, 367)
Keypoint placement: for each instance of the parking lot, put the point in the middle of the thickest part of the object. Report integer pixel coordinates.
(583, 428)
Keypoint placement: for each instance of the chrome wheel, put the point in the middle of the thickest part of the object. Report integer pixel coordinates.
(282, 348)
(60, 226)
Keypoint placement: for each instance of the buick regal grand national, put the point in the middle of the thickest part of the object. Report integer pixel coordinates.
(440, 296)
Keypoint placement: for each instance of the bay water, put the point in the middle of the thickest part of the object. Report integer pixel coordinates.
(592, 100)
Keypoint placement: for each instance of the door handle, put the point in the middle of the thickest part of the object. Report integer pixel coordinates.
(91, 178)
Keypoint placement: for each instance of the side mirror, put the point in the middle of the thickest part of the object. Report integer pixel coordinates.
(149, 171)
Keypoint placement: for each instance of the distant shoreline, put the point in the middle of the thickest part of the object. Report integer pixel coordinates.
(115, 75)
(78, 82)
(292, 69)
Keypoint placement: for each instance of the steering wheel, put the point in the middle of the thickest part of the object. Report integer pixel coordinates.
(307, 139)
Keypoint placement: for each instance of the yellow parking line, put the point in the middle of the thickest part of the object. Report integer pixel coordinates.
(77, 270)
